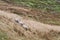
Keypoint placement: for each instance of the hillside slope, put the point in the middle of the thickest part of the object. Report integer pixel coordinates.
(14, 20)
(35, 31)
(44, 16)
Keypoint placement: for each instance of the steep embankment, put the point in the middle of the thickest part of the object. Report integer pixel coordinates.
(35, 31)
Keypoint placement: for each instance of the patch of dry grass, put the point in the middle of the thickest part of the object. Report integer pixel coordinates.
(16, 32)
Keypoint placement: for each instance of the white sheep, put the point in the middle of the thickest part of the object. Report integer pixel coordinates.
(17, 20)
(22, 24)
(25, 26)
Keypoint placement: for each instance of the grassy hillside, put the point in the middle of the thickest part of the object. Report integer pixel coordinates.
(11, 30)
(53, 5)
(49, 7)
(45, 11)
(38, 10)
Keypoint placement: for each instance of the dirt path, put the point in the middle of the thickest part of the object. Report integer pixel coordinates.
(31, 23)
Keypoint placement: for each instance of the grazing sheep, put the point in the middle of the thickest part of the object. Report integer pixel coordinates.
(25, 26)
(16, 20)
(22, 24)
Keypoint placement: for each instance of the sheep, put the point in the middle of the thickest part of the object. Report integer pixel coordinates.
(16, 20)
(25, 26)
(22, 24)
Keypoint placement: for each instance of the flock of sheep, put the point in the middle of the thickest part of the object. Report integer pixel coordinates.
(21, 23)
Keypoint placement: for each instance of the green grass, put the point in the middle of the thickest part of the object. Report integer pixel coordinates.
(39, 4)
(3, 36)
(49, 10)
